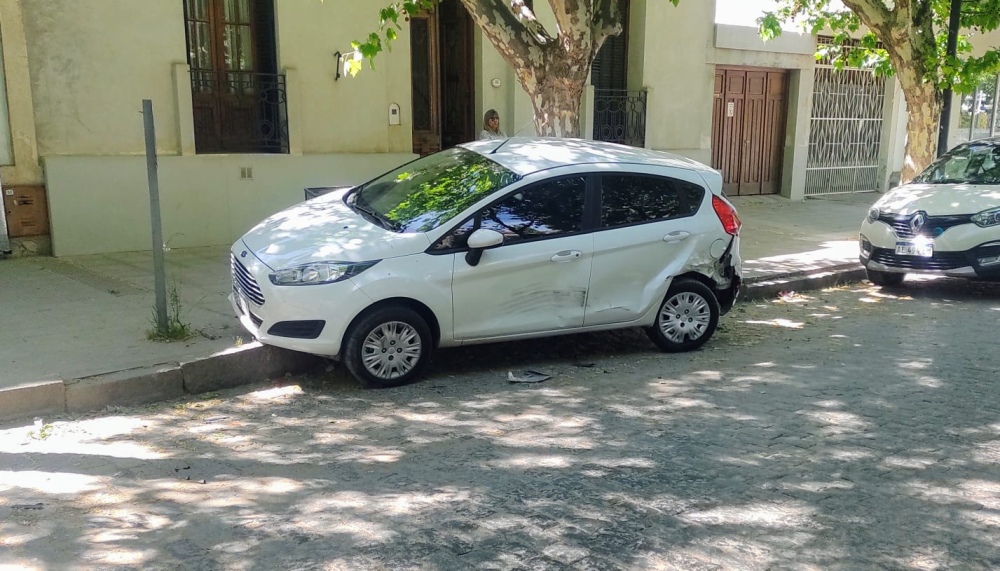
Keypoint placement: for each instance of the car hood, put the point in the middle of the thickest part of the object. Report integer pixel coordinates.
(940, 199)
(325, 229)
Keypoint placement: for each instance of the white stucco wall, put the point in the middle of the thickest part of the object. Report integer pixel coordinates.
(679, 77)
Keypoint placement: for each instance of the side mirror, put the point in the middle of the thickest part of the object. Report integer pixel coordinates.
(480, 240)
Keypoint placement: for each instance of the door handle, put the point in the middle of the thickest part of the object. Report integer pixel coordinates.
(676, 236)
(566, 256)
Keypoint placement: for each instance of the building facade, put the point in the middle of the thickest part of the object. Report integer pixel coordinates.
(251, 107)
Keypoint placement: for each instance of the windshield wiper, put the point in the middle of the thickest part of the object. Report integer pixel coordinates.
(373, 216)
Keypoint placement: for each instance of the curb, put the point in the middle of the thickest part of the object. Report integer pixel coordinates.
(251, 363)
(254, 363)
(771, 286)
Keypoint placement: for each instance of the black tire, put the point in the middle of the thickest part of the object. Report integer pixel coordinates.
(687, 318)
(391, 327)
(885, 279)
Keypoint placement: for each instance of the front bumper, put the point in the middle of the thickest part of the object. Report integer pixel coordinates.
(310, 319)
(981, 261)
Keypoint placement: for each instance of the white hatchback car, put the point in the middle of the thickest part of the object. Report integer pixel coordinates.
(945, 222)
(493, 241)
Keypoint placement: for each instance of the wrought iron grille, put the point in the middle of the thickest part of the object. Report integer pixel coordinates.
(239, 112)
(845, 131)
(620, 116)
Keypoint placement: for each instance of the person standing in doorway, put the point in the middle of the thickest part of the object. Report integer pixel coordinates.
(491, 126)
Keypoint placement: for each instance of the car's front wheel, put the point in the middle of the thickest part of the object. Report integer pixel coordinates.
(687, 318)
(388, 347)
(885, 279)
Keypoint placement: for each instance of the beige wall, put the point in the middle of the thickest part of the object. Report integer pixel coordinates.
(101, 204)
(111, 54)
(23, 142)
(92, 63)
(678, 77)
(349, 114)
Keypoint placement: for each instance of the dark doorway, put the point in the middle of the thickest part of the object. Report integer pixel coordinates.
(443, 74)
(748, 128)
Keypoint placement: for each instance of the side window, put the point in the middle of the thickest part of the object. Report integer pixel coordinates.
(543, 210)
(634, 199)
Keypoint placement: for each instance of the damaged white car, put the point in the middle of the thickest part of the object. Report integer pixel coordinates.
(493, 241)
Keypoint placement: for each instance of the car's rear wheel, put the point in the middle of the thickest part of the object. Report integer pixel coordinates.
(388, 347)
(885, 279)
(687, 318)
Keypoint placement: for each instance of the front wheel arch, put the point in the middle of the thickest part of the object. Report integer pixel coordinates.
(422, 310)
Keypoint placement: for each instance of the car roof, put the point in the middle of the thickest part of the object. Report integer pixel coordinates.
(995, 141)
(526, 155)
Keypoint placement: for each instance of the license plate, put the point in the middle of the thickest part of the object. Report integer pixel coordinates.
(911, 249)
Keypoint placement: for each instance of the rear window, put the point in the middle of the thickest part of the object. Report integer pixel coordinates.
(634, 199)
(421, 195)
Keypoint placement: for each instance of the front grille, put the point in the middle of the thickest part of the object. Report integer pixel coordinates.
(245, 283)
(297, 329)
(933, 226)
(939, 261)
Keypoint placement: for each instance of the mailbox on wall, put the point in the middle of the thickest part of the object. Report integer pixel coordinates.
(26, 209)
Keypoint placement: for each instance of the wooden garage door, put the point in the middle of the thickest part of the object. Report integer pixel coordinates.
(748, 128)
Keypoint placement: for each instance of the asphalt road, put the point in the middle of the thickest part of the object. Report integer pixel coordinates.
(847, 429)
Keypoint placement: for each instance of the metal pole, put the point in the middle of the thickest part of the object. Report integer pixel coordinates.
(159, 276)
(996, 102)
(973, 111)
(954, 22)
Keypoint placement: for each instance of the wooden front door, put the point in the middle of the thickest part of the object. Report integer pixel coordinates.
(748, 129)
(442, 78)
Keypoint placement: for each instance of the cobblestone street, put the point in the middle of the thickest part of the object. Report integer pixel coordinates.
(853, 428)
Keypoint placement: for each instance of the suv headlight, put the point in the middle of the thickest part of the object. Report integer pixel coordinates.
(989, 217)
(873, 213)
(318, 273)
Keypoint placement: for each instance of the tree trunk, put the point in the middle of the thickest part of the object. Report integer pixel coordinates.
(556, 104)
(924, 113)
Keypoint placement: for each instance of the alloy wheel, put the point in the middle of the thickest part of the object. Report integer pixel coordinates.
(391, 350)
(685, 316)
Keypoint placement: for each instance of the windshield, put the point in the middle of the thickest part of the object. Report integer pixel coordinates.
(422, 195)
(968, 164)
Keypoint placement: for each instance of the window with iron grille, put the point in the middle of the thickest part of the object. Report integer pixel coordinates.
(238, 97)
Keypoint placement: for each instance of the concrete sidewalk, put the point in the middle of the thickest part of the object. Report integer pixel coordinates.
(73, 330)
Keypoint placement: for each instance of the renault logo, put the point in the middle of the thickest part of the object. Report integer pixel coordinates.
(917, 222)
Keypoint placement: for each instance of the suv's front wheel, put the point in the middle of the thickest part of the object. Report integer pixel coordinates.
(687, 318)
(388, 347)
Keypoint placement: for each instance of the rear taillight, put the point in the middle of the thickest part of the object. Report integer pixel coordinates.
(727, 215)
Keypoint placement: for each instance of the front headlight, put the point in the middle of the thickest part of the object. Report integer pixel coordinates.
(989, 217)
(873, 213)
(318, 273)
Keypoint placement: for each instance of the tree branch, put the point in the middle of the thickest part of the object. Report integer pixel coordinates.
(573, 20)
(875, 15)
(607, 22)
(520, 39)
